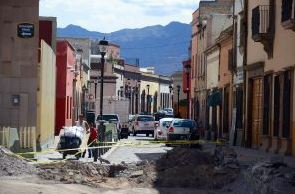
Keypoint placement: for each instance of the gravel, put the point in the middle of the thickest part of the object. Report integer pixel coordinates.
(12, 165)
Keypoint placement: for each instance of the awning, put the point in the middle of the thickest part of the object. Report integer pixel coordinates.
(214, 99)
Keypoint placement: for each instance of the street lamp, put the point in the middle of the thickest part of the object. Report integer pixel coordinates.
(148, 97)
(103, 46)
(137, 89)
(178, 91)
(171, 99)
(84, 91)
(187, 69)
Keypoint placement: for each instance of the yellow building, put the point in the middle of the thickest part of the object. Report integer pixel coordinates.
(46, 96)
(149, 92)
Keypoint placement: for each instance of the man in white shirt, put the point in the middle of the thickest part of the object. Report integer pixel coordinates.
(82, 123)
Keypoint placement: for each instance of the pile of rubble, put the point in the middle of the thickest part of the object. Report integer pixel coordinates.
(12, 165)
(182, 167)
(271, 177)
(77, 172)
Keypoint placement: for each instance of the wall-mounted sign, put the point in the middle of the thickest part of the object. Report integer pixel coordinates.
(25, 30)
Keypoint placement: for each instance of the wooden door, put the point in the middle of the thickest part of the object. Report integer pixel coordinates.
(256, 111)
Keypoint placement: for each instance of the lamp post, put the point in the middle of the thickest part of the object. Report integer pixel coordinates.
(178, 92)
(103, 45)
(148, 98)
(187, 69)
(137, 91)
(84, 90)
(171, 99)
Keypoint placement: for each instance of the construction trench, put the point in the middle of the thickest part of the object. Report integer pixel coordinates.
(215, 171)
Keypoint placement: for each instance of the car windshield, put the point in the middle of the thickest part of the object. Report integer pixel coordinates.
(145, 118)
(184, 123)
(166, 123)
(108, 117)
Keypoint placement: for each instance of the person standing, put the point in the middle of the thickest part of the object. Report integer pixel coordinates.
(82, 123)
(92, 141)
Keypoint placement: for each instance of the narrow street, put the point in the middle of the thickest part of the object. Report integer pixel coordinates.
(137, 153)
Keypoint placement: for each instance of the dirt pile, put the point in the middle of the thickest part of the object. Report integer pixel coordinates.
(77, 172)
(11, 165)
(182, 167)
(272, 176)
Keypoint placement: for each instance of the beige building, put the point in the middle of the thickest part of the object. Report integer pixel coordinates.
(270, 79)
(27, 93)
(208, 21)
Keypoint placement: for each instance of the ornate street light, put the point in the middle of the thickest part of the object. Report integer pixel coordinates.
(103, 46)
(187, 70)
(171, 97)
(148, 98)
(178, 92)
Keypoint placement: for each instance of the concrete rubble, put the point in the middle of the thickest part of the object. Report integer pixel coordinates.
(219, 172)
(271, 177)
(12, 165)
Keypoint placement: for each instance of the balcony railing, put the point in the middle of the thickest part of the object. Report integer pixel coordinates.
(260, 22)
(288, 14)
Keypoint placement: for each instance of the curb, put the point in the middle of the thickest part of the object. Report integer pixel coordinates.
(110, 151)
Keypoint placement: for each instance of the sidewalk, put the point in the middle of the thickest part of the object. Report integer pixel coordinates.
(249, 156)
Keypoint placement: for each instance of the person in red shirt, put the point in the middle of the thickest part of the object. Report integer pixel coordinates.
(92, 141)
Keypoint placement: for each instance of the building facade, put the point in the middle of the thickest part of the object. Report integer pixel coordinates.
(65, 63)
(269, 80)
(210, 19)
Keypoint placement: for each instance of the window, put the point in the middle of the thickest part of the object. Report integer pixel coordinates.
(145, 118)
(277, 93)
(266, 104)
(67, 107)
(286, 104)
(287, 10)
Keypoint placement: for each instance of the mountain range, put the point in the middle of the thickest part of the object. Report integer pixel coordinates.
(164, 47)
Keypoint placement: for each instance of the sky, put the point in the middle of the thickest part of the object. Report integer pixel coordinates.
(112, 15)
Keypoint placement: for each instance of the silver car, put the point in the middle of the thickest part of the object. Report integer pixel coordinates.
(183, 129)
(143, 124)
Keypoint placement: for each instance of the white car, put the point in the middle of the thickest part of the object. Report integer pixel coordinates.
(162, 128)
(143, 124)
(183, 129)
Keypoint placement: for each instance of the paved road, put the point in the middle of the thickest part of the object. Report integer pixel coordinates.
(137, 152)
(117, 155)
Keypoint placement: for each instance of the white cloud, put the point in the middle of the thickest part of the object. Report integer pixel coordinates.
(112, 15)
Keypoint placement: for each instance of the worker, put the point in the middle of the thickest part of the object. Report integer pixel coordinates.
(92, 141)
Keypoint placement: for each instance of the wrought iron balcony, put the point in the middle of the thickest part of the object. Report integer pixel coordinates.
(263, 22)
(260, 22)
(288, 14)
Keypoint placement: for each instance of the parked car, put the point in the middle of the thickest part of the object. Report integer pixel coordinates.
(143, 124)
(169, 111)
(162, 128)
(183, 129)
(114, 118)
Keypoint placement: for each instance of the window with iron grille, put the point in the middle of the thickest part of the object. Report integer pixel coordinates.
(277, 93)
(260, 20)
(266, 104)
(286, 104)
(287, 10)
